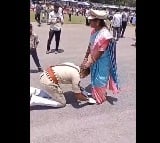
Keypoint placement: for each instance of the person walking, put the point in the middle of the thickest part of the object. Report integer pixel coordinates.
(124, 22)
(116, 24)
(56, 22)
(69, 13)
(38, 14)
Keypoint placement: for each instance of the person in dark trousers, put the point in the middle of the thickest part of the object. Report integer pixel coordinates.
(69, 13)
(124, 22)
(56, 22)
(86, 16)
(33, 45)
(38, 14)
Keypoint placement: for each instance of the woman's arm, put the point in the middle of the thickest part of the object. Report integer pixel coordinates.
(86, 55)
(87, 52)
(94, 57)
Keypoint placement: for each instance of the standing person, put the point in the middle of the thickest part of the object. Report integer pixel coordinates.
(33, 48)
(86, 16)
(64, 73)
(116, 24)
(38, 14)
(47, 11)
(77, 11)
(72, 10)
(69, 13)
(60, 10)
(56, 22)
(101, 57)
(124, 21)
(134, 20)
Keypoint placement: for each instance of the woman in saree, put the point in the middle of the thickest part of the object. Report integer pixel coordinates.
(101, 57)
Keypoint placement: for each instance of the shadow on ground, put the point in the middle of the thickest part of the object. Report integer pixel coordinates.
(40, 107)
(70, 99)
(59, 50)
(33, 71)
(134, 45)
(110, 99)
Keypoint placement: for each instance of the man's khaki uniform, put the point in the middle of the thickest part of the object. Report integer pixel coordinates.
(65, 73)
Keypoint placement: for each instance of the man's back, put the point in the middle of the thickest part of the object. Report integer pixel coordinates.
(67, 73)
(124, 16)
(117, 20)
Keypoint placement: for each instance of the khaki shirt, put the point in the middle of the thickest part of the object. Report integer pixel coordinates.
(34, 41)
(68, 75)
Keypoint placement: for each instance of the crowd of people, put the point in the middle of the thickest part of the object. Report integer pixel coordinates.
(99, 60)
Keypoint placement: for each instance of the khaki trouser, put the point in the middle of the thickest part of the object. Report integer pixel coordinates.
(52, 89)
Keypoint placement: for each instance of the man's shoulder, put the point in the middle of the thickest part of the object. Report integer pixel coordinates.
(72, 65)
(68, 63)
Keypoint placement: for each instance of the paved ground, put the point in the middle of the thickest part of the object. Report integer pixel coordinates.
(106, 123)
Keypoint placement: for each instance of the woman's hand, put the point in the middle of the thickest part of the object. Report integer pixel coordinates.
(87, 65)
(84, 61)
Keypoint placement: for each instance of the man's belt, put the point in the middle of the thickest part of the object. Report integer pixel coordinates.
(51, 74)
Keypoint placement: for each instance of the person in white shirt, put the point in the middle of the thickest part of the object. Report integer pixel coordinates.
(56, 21)
(117, 23)
(77, 11)
(64, 73)
(134, 20)
(60, 10)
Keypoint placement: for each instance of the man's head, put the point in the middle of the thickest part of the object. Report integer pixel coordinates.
(56, 7)
(125, 10)
(117, 10)
(84, 72)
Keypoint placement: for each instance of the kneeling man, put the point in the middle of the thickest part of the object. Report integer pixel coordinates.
(65, 73)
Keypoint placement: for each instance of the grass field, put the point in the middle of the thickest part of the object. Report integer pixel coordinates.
(75, 19)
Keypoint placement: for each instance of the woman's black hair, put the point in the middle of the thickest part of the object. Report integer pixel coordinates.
(102, 23)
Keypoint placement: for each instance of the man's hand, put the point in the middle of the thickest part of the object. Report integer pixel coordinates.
(81, 97)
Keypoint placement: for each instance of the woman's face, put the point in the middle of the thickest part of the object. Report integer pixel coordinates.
(94, 23)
